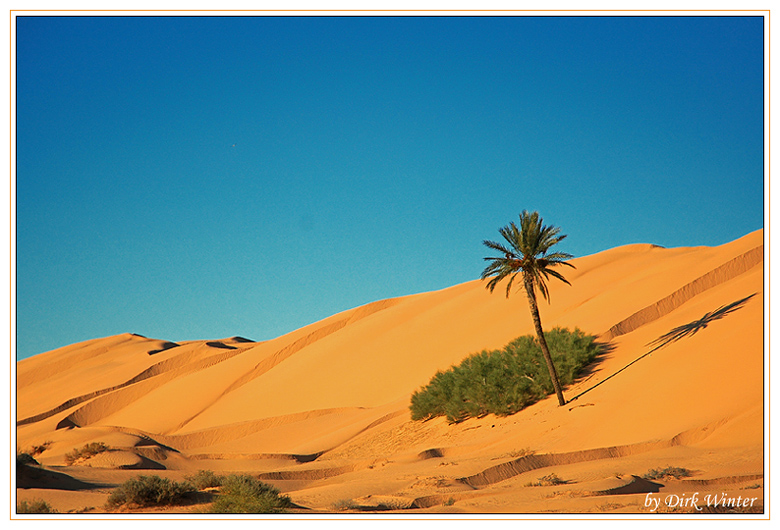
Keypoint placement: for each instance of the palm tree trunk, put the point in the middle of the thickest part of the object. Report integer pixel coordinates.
(529, 290)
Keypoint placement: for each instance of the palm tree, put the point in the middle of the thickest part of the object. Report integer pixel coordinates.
(526, 254)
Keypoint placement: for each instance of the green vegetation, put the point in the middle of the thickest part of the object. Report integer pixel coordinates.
(345, 505)
(526, 253)
(245, 494)
(36, 506)
(548, 480)
(86, 452)
(149, 490)
(35, 450)
(503, 382)
(204, 479)
(666, 473)
(349, 505)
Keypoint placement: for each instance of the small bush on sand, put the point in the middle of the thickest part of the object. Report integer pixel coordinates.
(36, 506)
(246, 494)
(345, 505)
(149, 490)
(86, 452)
(667, 473)
(548, 480)
(204, 479)
(503, 382)
(35, 450)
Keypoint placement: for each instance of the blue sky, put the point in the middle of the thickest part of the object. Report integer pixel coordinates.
(193, 177)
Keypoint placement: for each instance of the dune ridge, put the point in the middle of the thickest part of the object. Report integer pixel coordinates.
(104, 402)
(173, 365)
(666, 305)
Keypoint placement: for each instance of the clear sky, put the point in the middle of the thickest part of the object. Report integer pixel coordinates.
(198, 178)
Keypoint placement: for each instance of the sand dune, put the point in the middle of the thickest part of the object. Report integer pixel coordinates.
(322, 412)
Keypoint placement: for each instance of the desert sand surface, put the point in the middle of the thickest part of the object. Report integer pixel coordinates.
(322, 413)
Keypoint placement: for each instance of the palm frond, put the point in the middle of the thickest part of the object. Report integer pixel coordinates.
(509, 283)
(558, 275)
(559, 257)
(497, 246)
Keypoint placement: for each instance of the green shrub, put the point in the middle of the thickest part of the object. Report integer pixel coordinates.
(345, 505)
(503, 382)
(204, 479)
(36, 506)
(35, 450)
(245, 494)
(548, 480)
(149, 490)
(667, 472)
(87, 451)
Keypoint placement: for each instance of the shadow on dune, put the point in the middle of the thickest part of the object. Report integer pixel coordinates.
(29, 476)
(145, 463)
(635, 486)
(240, 339)
(680, 332)
(218, 344)
(690, 329)
(605, 348)
(165, 346)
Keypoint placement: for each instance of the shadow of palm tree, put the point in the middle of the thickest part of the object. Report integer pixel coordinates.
(694, 327)
(686, 330)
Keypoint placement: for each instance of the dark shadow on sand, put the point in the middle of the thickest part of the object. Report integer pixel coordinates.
(31, 476)
(686, 330)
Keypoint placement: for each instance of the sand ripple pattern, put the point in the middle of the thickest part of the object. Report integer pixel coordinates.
(513, 468)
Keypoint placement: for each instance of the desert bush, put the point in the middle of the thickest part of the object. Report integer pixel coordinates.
(149, 490)
(392, 505)
(246, 494)
(503, 382)
(87, 451)
(36, 506)
(345, 505)
(548, 480)
(204, 479)
(35, 450)
(667, 472)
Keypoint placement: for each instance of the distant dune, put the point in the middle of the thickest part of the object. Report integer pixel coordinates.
(322, 412)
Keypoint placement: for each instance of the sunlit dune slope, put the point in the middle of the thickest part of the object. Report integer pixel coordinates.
(339, 389)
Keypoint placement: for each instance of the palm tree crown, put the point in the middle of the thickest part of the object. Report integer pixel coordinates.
(526, 251)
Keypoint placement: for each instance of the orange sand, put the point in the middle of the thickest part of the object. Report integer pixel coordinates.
(322, 412)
